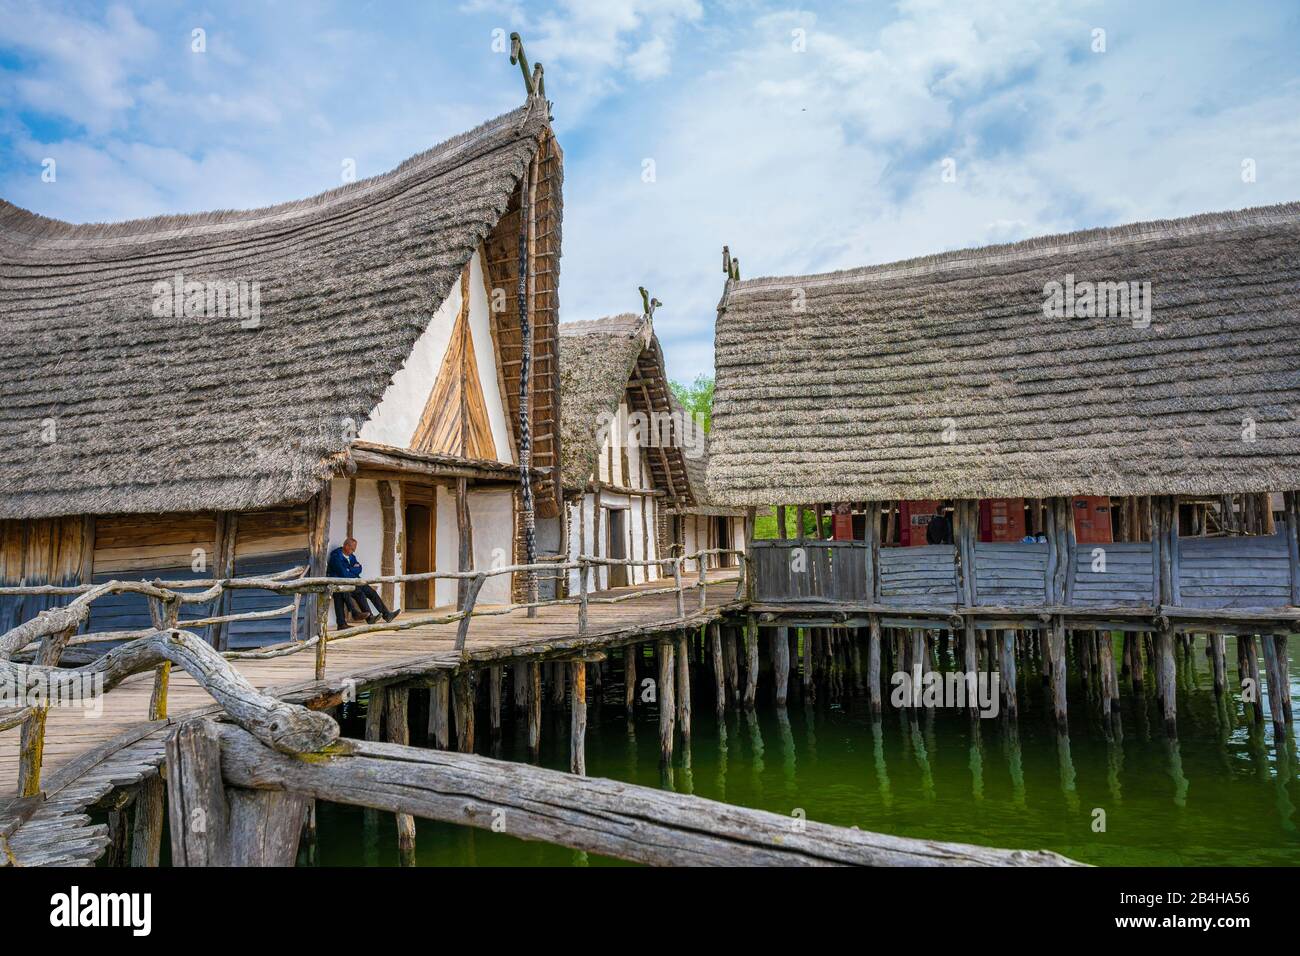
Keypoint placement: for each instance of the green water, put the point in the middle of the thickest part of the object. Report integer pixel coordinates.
(1224, 793)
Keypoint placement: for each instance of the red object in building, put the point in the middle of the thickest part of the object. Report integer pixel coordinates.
(842, 525)
(913, 518)
(1092, 519)
(1002, 519)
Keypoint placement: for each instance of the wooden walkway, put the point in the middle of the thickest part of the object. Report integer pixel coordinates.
(87, 756)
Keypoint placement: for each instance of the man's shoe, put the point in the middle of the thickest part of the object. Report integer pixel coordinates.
(372, 618)
(388, 618)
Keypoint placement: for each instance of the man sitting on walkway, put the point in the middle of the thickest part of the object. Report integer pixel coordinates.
(343, 564)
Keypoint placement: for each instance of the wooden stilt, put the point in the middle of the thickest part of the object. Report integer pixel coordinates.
(439, 707)
(1167, 680)
(719, 672)
(630, 653)
(667, 706)
(733, 665)
(970, 660)
(1007, 667)
(146, 833)
(1218, 660)
(1248, 675)
(534, 709)
(462, 695)
(1137, 674)
(1107, 679)
(396, 702)
(494, 702)
(781, 664)
(578, 718)
(519, 678)
(751, 662)
(1276, 676)
(1056, 651)
(559, 694)
(684, 694)
(873, 664)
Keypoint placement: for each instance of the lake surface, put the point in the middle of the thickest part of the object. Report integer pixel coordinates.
(1223, 794)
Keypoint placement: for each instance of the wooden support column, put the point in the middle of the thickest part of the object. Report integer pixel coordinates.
(1056, 652)
(465, 540)
(462, 694)
(396, 711)
(1167, 679)
(439, 711)
(1007, 667)
(751, 662)
(1218, 660)
(494, 702)
(519, 678)
(1108, 679)
(873, 663)
(1278, 690)
(733, 665)
(388, 541)
(630, 654)
(1291, 512)
(683, 694)
(667, 706)
(578, 718)
(719, 670)
(1248, 675)
(534, 709)
(970, 660)
(318, 537)
(146, 832)
(781, 663)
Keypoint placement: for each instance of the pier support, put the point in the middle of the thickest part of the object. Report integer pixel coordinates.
(1248, 676)
(1007, 667)
(667, 705)
(395, 717)
(578, 718)
(751, 662)
(683, 693)
(462, 693)
(1056, 655)
(1219, 662)
(146, 833)
(439, 711)
(1278, 685)
(781, 664)
(1167, 679)
(719, 671)
(733, 666)
(494, 702)
(630, 653)
(873, 665)
(534, 709)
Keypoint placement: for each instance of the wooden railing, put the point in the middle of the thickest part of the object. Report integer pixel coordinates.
(282, 726)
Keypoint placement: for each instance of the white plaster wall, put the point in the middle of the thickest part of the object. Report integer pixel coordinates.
(492, 514)
(395, 418)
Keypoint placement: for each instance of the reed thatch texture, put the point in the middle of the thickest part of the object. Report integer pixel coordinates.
(852, 396)
(159, 414)
(601, 362)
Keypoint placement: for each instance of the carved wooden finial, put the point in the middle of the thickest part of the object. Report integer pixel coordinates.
(517, 57)
(726, 260)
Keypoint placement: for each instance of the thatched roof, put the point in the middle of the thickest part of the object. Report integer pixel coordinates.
(851, 397)
(160, 414)
(601, 361)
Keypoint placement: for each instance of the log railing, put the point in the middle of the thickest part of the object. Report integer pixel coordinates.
(172, 641)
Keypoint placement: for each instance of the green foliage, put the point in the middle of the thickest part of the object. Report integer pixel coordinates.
(765, 524)
(697, 399)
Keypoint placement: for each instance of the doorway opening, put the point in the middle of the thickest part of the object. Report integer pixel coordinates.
(419, 555)
(616, 546)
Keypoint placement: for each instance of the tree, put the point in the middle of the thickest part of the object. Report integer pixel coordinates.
(697, 399)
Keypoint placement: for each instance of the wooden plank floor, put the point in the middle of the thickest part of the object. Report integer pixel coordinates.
(70, 732)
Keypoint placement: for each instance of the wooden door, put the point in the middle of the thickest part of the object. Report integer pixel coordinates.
(419, 554)
(616, 546)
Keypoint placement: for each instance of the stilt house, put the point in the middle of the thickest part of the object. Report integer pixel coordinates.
(234, 393)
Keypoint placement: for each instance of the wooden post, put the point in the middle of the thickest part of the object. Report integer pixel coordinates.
(1107, 679)
(683, 694)
(667, 707)
(534, 709)
(519, 679)
(146, 832)
(751, 662)
(399, 732)
(781, 663)
(318, 543)
(1218, 660)
(462, 693)
(1166, 678)
(1275, 673)
(970, 660)
(733, 665)
(719, 670)
(630, 654)
(1007, 666)
(439, 707)
(578, 718)
(1056, 651)
(494, 701)
(873, 664)
(322, 630)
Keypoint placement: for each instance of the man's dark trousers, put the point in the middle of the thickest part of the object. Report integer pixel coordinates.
(359, 596)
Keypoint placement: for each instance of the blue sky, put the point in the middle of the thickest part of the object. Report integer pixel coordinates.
(809, 137)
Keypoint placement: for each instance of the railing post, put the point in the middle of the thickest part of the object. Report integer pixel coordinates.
(704, 586)
(582, 597)
(677, 579)
(323, 601)
(32, 751)
(471, 598)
